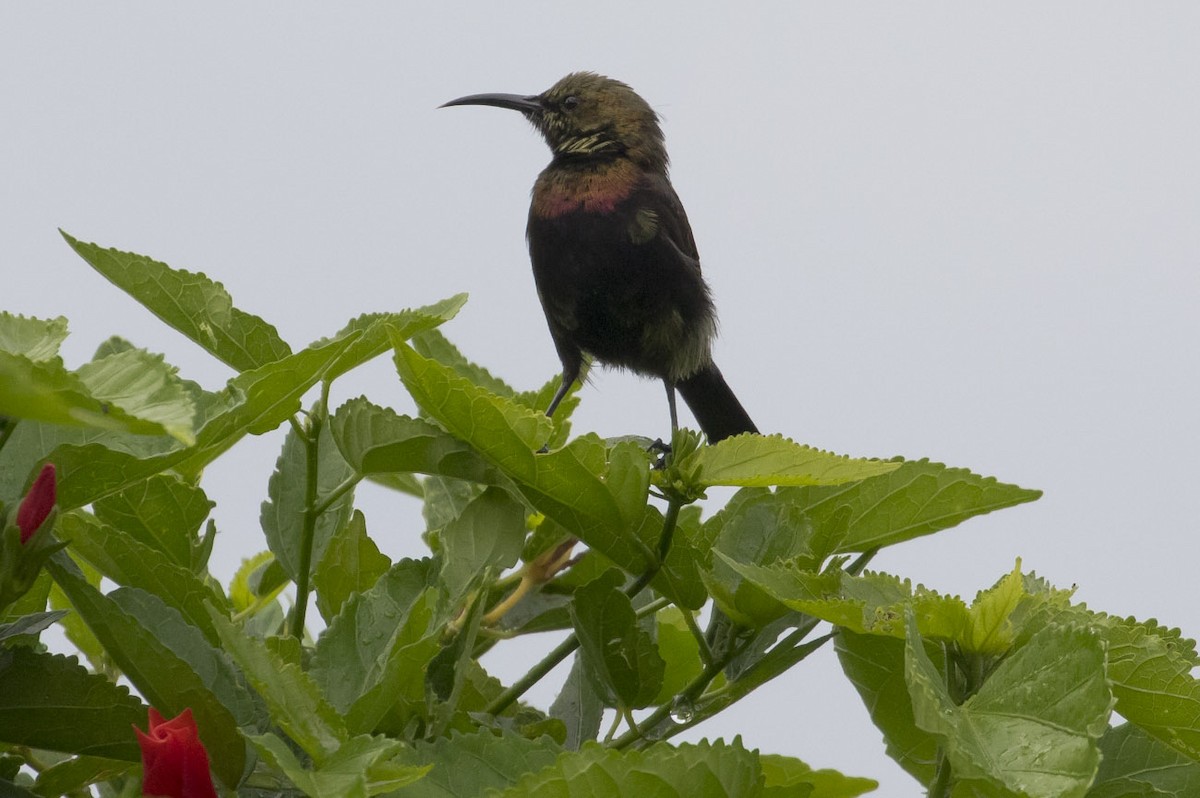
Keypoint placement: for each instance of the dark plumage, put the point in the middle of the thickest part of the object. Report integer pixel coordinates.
(614, 259)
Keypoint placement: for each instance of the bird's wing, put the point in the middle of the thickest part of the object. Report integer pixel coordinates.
(660, 219)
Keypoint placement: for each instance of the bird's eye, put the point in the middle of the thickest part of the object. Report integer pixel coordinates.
(570, 103)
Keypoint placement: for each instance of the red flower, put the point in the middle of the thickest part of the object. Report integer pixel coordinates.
(174, 762)
(37, 504)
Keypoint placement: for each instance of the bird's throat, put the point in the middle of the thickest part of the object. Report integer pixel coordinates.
(597, 189)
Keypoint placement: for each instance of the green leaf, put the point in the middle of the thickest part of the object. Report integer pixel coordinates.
(621, 656)
(192, 304)
(1034, 726)
(489, 534)
(32, 624)
(787, 776)
(377, 440)
(163, 512)
(32, 442)
(167, 660)
(144, 386)
(283, 513)
(569, 484)
(579, 706)
(434, 345)
(1151, 673)
(680, 653)
(875, 666)
(133, 392)
(917, 498)
(263, 399)
(765, 460)
(133, 564)
(475, 763)
(1136, 764)
(375, 651)
(362, 766)
(372, 330)
(295, 702)
(504, 432)
(36, 339)
(249, 587)
(77, 773)
(761, 528)
(352, 563)
(660, 771)
(49, 701)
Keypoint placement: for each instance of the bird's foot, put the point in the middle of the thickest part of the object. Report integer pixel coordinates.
(663, 449)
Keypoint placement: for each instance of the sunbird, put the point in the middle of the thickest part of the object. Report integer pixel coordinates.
(614, 259)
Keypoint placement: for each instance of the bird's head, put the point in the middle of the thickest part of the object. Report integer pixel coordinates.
(586, 116)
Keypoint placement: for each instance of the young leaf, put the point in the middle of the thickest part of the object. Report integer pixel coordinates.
(191, 303)
(620, 654)
(917, 498)
(49, 701)
(765, 460)
(352, 564)
(1033, 727)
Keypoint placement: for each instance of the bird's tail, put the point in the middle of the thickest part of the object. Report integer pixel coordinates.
(712, 402)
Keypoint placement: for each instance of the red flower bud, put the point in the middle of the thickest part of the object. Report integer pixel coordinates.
(37, 504)
(174, 762)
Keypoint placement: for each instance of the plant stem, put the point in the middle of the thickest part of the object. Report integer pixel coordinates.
(518, 688)
(337, 493)
(942, 778)
(312, 449)
(568, 646)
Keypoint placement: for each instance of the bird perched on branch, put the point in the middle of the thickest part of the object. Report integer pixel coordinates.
(614, 259)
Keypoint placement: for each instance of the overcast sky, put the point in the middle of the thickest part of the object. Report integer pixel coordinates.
(934, 230)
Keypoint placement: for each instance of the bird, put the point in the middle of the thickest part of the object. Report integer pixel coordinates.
(614, 259)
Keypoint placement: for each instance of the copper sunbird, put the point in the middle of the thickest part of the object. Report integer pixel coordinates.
(614, 260)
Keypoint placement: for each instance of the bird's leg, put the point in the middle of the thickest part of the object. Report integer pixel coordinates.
(671, 404)
(658, 446)
(568, 379)
(559, 394)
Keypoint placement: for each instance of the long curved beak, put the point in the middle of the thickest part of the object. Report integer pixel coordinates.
(526, 105)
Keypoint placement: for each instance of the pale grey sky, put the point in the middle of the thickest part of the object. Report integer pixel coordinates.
(936, 230)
